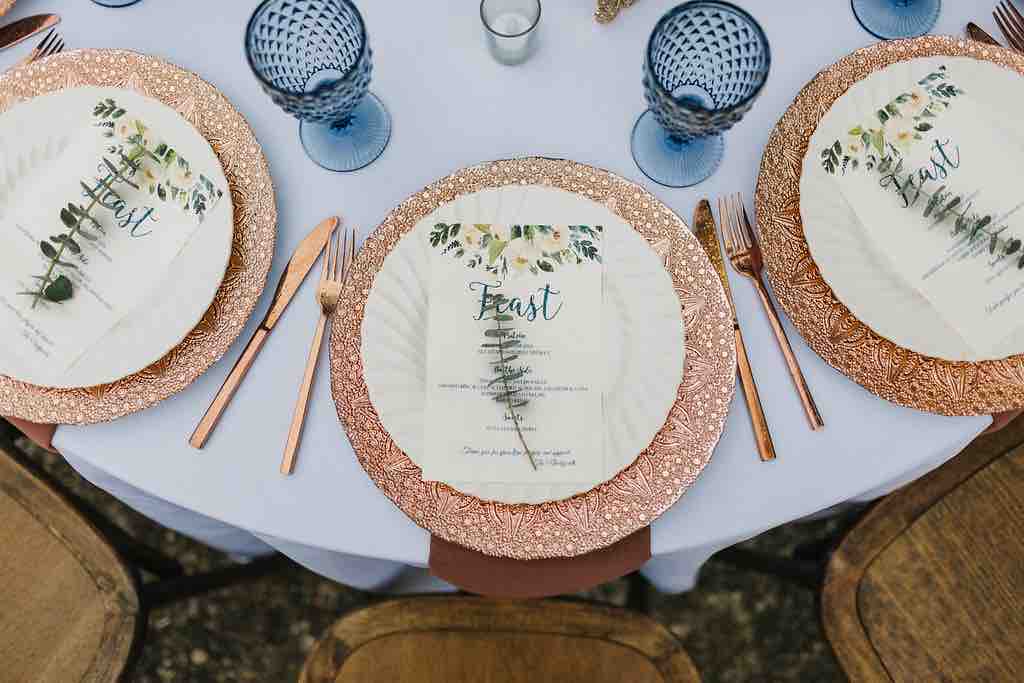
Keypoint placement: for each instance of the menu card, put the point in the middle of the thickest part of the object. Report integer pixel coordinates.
(551, 279)
(143, 225)
(934, 159)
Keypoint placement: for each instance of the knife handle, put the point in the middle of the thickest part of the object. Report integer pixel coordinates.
(228, 389)
(765, 447)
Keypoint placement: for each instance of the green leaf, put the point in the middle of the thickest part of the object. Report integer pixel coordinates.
(68, 242)
(68, 219)
(48, 250)
(59, 290)
(1012, 246)
(494, 250)
(923, 126)
(546, 266)
(118, 114)
(498, 332)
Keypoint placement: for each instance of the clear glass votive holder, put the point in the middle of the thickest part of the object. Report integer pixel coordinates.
(510, 27)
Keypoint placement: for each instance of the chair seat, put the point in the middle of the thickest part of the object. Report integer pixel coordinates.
(943, 601)
(473, 640)
(68, 606)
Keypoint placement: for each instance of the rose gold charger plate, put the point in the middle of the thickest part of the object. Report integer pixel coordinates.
(610, 511)
(255, 225)
(892, 372)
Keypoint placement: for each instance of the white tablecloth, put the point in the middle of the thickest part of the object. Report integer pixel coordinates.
(453, 106)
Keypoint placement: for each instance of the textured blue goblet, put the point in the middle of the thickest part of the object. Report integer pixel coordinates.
(313, 58)
(897, 18)
(705, 64)
(115, 3)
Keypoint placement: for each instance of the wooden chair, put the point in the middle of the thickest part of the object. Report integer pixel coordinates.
(69, 609)
(72, 604)
(928, 586)
(476, 640)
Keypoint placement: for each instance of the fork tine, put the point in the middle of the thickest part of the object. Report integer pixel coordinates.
(339, 250)
(1018, 17)
(1014, 35)
(350, 255)
(44, 44)
(749, 228)
(741, 221)
(59, 47)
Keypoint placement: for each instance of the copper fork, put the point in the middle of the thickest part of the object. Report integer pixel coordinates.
(1011, 23)
(337, 261)
(51, 44)
(745, 256)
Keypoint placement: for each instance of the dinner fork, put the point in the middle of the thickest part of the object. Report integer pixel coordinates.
(1011, 23)
(51, 44)
(337, 261)
(745, 256)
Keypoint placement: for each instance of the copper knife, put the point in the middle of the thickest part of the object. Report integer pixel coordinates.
(295, 272)
(707, 235)
(17, 31)
(975, 32)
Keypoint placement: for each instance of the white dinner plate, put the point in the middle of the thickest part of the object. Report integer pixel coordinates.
(173, 303)
(642, 342)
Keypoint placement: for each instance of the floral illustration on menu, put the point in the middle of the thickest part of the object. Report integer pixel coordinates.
(510, 250)
(882, 144)
(165, 174)
(135, 159)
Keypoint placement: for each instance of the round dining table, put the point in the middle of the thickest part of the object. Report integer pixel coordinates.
(452, 106)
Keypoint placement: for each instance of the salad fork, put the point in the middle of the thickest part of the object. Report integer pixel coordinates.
(1011, 23)
(337, 261)
(745, 256)
(51, 44)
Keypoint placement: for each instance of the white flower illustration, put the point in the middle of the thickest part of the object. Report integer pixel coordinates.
(521, 254)
(556, 240)
(180, 175)
(917, 103)
(899, 132)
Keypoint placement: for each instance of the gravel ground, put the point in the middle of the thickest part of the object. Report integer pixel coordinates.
(737, 625)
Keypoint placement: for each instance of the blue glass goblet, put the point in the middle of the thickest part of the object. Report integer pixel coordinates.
(705, 64)
(897, 18)
(115, 3)
(313, 58)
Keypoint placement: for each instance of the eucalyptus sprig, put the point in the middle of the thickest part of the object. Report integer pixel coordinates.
(80, 222)
(943, 205)
(501, 340)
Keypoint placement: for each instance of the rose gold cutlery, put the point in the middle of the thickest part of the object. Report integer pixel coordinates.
(975, 32)
(17, 31)
(704, 228)
(337, 262)
(745, 255)
(1011, 23)
(298, 267)
(51, 44)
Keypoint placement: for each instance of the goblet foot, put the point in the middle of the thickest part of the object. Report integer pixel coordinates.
(897, 18)
(673, 163)
(354, 145)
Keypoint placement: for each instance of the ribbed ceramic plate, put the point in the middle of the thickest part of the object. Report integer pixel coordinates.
(655, 478)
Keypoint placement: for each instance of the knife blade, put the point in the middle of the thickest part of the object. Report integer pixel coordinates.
(17, 31)
(707, 235)
(302, 260)
(975, 32)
